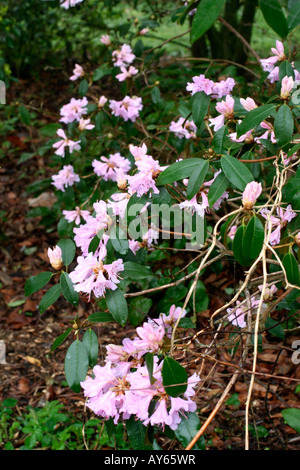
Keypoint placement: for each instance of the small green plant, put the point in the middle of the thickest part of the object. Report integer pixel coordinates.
(49, 428)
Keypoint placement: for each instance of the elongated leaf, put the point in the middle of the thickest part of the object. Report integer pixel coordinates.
(100, 317)
(291, 268)
(236, 172)
(117, 305)
(137, 434)
(60, 339)
(187, 429)
(68, 249)
(25, 115)
(219, 139)
(200, 107)
(274, 16)
(50, 297)
(217, 188)
(253, 239)
(205, 16)
(35, 283)
(76, 365)
(119, 241)
(174, 377)
(135, 270)
(90, 341)
(293, 19)
(284, 125)
(67, 289)
(196, 179)
(178, 171)
(238, 246)
(292, 418)
(285, 68)
(255, 117)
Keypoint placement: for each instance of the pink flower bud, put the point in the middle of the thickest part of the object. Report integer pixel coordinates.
(250, 194)
(287, 85)
(55, 257)
(297, 238)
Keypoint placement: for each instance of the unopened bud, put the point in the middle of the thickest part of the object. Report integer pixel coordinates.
(55, 257)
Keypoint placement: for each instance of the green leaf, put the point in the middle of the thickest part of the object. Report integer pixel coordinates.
(60, 339)
(274, 328)
(292, 418)
(206, 15)
(100, 317)
(200, 107)
(253, 239)
(101, 72)
(284, 125)
(174, 377)
(187, 429)
(293, 18)
(138, 308)
(25, 115)
(285, 68)
(117, 305)
(35, 283)
(219, 139)
(135, 270)
(217, 188)
(149, 364)
(274, 16)
(254, 117)
(196, 179)
(83, 87)
(119, 240)
(237, 246)
(236, 172)
(291, 268)
(178, 171)
(67, 289)
(137, 433)
(49, 298)
(90, 341)
(155, 95)
(68, 249)
(76, 365)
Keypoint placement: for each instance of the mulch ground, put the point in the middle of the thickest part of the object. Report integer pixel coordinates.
(33, 376)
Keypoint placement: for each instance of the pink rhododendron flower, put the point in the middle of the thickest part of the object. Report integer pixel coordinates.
(75, 216)
(107, 168)
(138, 152)
(223, 88)
(65, 177)
(118, 203)
(55, 257)
(144, 180)
(144, 31)
(200, 84)
(102, 101)
(74, 110)
(279, 222)
(251, 193)
(183, 128)
(169, 320)
(85, 233)
(85, 124)
(193, 205)
(231, 233)
(66, 4)
(105, 39)
(269, 291)
(248, 103)
(151, 337)
(226, 108)
(77, 72)
(123, 56)
(126, 73)
(128, 108)
(91, 275)
(287, 84)
(61, 145)
(279, 55)
(269, 132)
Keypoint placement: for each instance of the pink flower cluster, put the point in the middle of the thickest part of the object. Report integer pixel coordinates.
(183, 128)
(279, 222)
(65, 177)
(109, 168)
(128, 108)
(64, 143)
(148, 169)
(215, 89)
(123, 57)
(123, 388)
(271, 63)
(74, 110)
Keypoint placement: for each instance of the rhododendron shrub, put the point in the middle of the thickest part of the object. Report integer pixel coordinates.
(145, 173)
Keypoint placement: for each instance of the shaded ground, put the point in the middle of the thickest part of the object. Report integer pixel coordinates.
(33, 376)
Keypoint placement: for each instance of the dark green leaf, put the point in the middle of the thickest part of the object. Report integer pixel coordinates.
(291, 268)
(196, 179)
(117, 305)
(236, 172)
(178, 171)
(206, 15)
(238, 246)
(292, 418)
(217, 188)
(274, 328)
(174, 377)
(67, 289)
(68, 249)
(135, 270)
(90, 341)
(100, 317)
(76, 365)
(137, 433)
(253, 239)
(284, 125)
(200, 107)
(293, 18)
(60, 339)
(187, 429)
(50, 297)
(219, 139)
(255, 117)
(25, 115)
(274, 16)
(35, 283)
